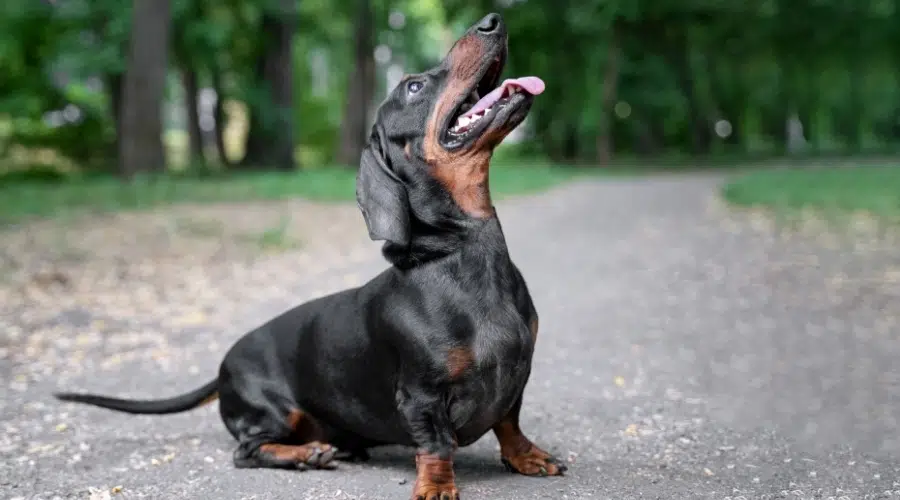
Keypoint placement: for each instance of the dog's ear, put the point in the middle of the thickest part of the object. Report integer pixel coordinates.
(381, 194)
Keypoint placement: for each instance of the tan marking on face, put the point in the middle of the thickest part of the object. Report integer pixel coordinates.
(465, 173)
(459, 359)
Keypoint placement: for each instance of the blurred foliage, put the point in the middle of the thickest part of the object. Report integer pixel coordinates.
(655, 78)
(61, 64)
(706, 76)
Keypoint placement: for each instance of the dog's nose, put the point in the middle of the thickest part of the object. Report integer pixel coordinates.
(489, 24)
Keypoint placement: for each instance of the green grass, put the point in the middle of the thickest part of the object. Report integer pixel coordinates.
(875, 190)
(22, 198)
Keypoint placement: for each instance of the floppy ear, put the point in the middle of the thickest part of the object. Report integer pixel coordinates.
(381, 195)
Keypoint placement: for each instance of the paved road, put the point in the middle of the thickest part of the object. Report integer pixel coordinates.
(682, 355)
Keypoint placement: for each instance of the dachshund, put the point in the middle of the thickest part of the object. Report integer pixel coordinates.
(435, 351)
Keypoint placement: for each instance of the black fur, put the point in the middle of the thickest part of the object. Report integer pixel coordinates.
(370, 365)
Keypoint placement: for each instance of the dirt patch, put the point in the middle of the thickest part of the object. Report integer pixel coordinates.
(171, 267)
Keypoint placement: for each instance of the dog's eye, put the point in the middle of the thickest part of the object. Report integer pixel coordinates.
(413, 87)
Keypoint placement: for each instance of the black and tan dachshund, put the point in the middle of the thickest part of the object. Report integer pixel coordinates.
(436, 350)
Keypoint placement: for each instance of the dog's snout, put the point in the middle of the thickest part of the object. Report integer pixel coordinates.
(490, 24)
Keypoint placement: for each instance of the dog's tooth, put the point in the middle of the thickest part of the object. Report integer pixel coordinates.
(464, 120)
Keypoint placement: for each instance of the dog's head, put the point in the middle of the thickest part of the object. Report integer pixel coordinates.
(430, 148)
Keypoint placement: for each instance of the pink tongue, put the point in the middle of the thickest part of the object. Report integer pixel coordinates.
(531, 84)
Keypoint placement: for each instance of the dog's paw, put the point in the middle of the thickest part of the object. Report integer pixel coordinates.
(535, 462)
(313, 455)
(435, 492)
(318, 456)
(434, 479)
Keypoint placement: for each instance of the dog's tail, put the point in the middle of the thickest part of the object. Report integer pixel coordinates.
(206, 394)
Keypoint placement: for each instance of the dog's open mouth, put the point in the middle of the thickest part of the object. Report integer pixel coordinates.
(487, 100)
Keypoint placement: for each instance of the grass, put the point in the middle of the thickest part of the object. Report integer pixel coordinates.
(22, 199)
(870, 189)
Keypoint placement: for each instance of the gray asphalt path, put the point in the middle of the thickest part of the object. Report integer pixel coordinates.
(681, 355)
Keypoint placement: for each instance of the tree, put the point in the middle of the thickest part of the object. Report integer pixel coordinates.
(360, 87)
(270, 139)
(140, 143)
(185, 52)
(657, 77)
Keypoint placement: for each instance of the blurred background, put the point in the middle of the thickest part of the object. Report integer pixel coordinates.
(287, 84)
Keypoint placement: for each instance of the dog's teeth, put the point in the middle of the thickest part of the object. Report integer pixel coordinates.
(463, 121)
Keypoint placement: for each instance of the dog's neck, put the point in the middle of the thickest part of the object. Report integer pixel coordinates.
(466, 179)
(449, 236)
(444, 225)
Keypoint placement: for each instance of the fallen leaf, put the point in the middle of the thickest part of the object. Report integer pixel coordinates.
(193, 318)
(97, 494)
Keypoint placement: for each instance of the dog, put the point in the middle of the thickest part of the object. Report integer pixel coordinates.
(435, 351)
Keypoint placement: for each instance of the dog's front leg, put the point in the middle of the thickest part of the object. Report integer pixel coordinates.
(519, 453)
(426, 415)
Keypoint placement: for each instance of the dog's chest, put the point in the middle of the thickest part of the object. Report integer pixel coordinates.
(484, 393)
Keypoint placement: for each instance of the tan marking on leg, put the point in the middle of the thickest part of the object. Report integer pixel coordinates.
(459, 359)
(304, 428)
(434, 478)
(533, 326)
(301, 454)
(523, 456)
(209, 399)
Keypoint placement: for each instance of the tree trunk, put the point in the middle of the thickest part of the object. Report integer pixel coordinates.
(140, 144)
(219, 117)
(360, 88)
(271, 143)
(609, 91)
(280, 75)
(195, 135)
(255, 151)
(114, 83)
(701, 135)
